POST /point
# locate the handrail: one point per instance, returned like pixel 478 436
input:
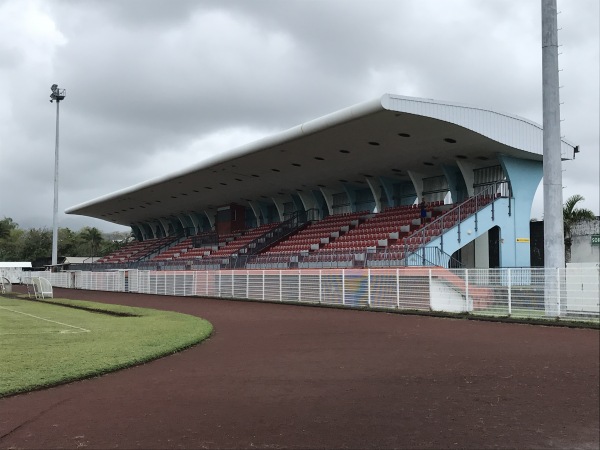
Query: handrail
pixel 157 251
pixel 285 228
pixel 457 214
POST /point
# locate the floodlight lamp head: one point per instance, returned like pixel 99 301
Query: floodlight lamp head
pixel 57 94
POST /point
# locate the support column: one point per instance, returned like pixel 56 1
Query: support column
pixel 554 250
pixel 524 176
pixel 328 196
pixel 376 191
pixel 417 181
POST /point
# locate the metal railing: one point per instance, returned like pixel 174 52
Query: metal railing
pixel 556 294
pixel 295 222
pixel 454 216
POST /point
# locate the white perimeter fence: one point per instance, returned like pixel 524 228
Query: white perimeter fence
pixel 569 294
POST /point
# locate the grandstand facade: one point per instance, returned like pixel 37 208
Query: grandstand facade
pixel 391 182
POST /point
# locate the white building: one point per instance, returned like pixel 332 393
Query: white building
pixel 585 247
pixel 13 270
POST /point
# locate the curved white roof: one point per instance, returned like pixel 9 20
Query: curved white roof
pixel 384 137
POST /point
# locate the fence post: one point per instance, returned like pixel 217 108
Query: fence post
pixel 194 283
pixel 299 286
pixel 219 285
pixel 280 286
pixel 320 286
pixel 509 291
pixel 430 290
pixel 247 284
pixel 206 281
pixel 467 290
pixel 233 284
pixel 398 288
pixel 263 285
pixel 558 293
pixel 343 286
pixel 369 286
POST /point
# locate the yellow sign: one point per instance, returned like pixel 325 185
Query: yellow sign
pixel 522 239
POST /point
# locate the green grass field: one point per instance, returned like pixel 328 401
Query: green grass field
pixel 47 343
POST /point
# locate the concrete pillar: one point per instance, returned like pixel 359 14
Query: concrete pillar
pixel 554 250
pixel 417 181
pixel 524 176
pixel 328 196
pixel 256 211
pixel 195 222
pixel 278 202
pixel 388 188
pixel 351 194
pixel 467 169
pixel 456 183
pixel 137 232
pixel 376 191
pixel 308 200
pixel 210 216
pixel 164 224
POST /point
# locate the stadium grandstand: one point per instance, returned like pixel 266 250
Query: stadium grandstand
pixel 390 182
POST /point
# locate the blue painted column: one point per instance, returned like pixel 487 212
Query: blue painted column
pixel 524 176
pixel 137 232
pixel 456 183
pixel 388 188
pixel 351 193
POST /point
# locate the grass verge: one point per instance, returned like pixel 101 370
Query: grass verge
pixel 45 343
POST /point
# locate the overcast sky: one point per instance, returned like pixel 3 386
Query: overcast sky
pixel 156 85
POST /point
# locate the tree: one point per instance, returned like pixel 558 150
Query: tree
pixel 67 242
pixel 6 226
pixel 571 216
pixel 37 243
pixel 11 246
pixel 93 237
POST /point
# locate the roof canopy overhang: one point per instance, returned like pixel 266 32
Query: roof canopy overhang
pixel 387 137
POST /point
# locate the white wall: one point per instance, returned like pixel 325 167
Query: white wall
pixel 582 250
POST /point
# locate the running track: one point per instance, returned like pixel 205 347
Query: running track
pixel 282 376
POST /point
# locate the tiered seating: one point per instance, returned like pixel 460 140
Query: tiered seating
pixel 174 251
pixel 406 244
pixel 313 234
pixel 185 249
pixel 401 220
pixel 270 261
pixel 227 244
pixel 135 251
pixel 331 259
pixel 234 242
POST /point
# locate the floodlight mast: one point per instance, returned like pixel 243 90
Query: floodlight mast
pixel 554 250
pixel 56 96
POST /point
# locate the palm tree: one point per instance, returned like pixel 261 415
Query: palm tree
pixel 571 216
pixel 93 236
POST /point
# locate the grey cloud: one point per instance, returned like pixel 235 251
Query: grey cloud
pixel 147 79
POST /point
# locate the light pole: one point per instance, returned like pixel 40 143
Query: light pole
pixel 57 95
pixel 554 240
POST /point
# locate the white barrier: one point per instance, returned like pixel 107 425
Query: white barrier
pixel 493 292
